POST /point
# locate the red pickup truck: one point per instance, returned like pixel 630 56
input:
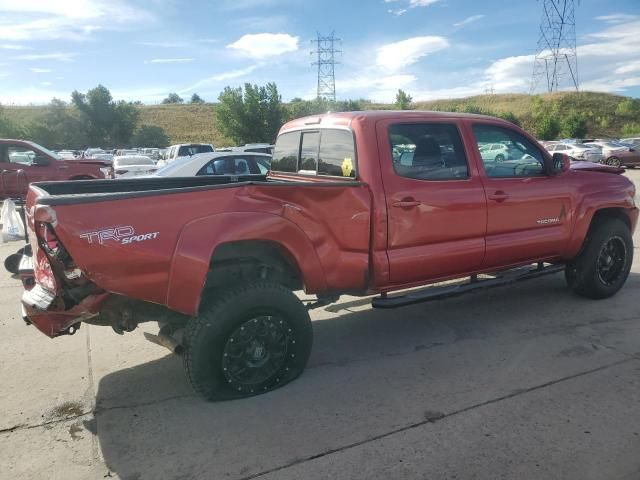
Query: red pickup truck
pixel 361 203
pixel 23 162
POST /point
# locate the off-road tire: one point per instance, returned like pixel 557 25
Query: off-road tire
pixel 583 275
pixel 207 336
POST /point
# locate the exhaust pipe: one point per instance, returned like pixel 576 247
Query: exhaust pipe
pixel 165 340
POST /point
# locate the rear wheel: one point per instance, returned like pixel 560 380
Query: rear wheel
pixel 603 266
pixel 613 162
pixel 499 158
pixel 247 340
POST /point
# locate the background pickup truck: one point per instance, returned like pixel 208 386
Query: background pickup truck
pixel 361 203
pixel 23 162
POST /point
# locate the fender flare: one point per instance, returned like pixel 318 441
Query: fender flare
pixel 199 239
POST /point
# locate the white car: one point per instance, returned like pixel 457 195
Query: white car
pixel 576 150
pixel 133 166
pixel 186 150
pixel 218 163
pixel 67 155
pixel 498 152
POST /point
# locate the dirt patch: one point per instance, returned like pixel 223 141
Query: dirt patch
pixel 67 409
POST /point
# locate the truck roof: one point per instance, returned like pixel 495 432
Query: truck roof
pixel 345 119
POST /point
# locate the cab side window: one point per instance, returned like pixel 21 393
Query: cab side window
pixel 518 156
pixel 428 151
pixel 20 155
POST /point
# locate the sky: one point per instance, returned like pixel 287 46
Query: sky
pixel 144 49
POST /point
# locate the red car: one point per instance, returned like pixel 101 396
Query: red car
pixel 360 203
pixel 23 162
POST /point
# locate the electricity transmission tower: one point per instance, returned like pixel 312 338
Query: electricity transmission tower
pixel 556 56
pixel 325 51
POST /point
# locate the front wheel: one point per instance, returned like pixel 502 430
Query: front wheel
pixel 247 340
pixel 499 158
pixel 614 162
pixel 603 266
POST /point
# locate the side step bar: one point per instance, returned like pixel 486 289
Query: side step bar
pixel 446 291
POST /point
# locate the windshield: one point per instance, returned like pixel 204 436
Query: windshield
pixel 46 151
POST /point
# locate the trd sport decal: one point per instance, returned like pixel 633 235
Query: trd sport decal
pixel 124 235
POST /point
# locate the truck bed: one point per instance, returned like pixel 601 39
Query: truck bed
pixel 82 191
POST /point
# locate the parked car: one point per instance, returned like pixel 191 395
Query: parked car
pixel 218 266
pixel 133 165
pixel 187 150
pixel 634 141
pixel 67 155
pixel 23 162
pixel 616 154
pixel 90 152
pixel 256 148
pixel 576 151
pixel 494 151
pixel 218 163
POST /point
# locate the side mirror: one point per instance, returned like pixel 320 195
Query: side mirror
pixel 41 161
pixel 561 163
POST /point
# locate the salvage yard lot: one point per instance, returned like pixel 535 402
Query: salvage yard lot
pixel 519 382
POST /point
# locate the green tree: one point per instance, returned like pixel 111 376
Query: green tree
pixel 252 115
pixel 105 121
pixel 151 136
pixel 628 108
pixel 9 129
pixel 59 127
pixel 545 119
pixel 630 129
pixel 173 98
pixel 196 99
pixel 573 125
pixel 403 100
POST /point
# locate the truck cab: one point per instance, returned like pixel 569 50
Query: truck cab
pixel 23 162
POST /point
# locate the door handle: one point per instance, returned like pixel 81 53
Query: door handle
pixel 499 196
pixel 406 203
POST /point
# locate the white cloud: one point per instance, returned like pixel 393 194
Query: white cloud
pixel 165 44
pixel 12 46
pixel 263 45
pixel 616 18
pixel 40 70
pixel 407 5
pixel 468 20
pixel 57 56
pixel 46 84
pixel 26 20
pixel 394 56
pixel 610 62
pixel 421 3
pixel 170 60
pixel 220 77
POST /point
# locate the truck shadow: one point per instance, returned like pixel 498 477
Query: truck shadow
pixel 371 372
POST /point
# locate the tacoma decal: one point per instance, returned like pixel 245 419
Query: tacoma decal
pixel 124 235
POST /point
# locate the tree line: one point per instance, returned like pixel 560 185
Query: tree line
pixel 254 114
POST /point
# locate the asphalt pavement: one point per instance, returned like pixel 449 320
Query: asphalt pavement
pixel 521 382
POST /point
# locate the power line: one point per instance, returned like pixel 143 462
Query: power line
pixel 325 51
pixel 556 58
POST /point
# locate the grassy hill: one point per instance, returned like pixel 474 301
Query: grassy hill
pixel 197 123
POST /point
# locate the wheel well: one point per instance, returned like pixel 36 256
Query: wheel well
pixel 618 213
pixel 243 261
